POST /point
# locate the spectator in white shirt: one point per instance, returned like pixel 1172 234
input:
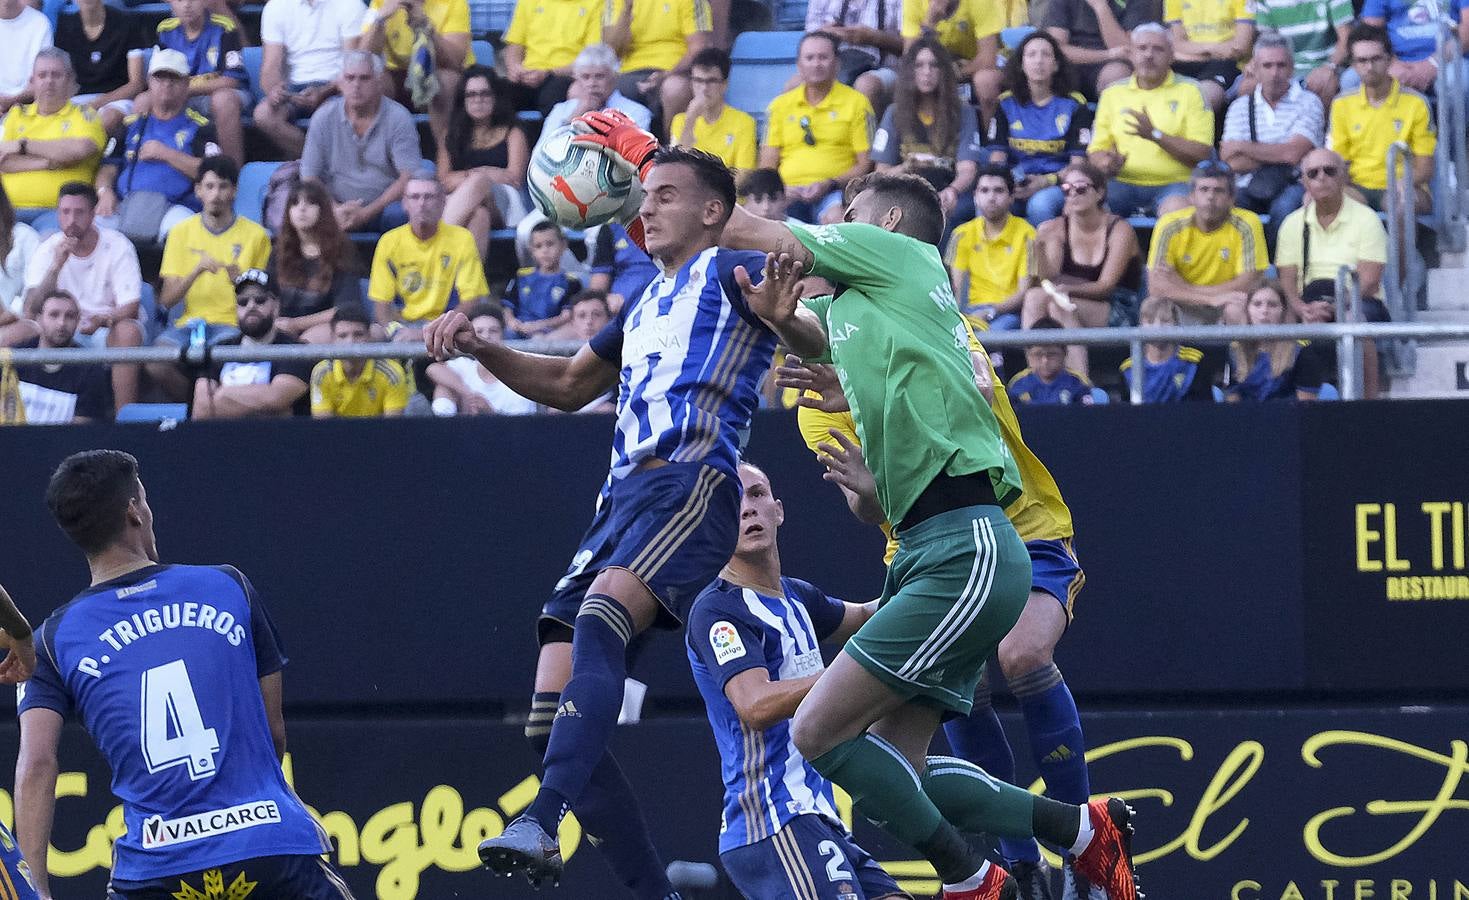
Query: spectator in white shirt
pixel 18 243
pixel 302 43
pixel 470 387
pixel 24 32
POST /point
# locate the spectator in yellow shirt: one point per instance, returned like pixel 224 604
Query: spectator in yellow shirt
pixel 356 388
pixel 424 268
pixel 1210 37
pixel 48 143
pixel 541 44
pixel 709 123
pixel 1367 121
pixel 989 256
pixel 657 41
pixel 391 27
pixel 1208 257
pixel 818 134
pixel 1150 130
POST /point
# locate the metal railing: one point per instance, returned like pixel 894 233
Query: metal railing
pixel 1451 155
pixel 1404 275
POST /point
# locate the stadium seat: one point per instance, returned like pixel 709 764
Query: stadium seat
pixel 253 57
pixel 1100 397
pixel 250 198
pixel 761 64
pixel 1011 37
pixel 1328 392
pixel 790 14
pixel 486 16
pixel 484 53
pixel 153 412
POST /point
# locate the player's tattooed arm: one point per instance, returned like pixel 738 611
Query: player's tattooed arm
pixel 747 231
pixel 35 790
pixel 15 636
pixel 760 702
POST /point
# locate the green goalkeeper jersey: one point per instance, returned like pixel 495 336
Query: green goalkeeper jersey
pixel 900 347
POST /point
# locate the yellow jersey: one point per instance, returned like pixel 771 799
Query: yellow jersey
pixel 553 32
pixel 447 17
pixel 1362 133
pixel 660 30
pixel 1176 107
pixel 839 127
pixel 427 277
pixel 1208 21
pixel 1206 258
pixel 243 245
pixel 1039 514
pixel 994 265
pixel 380 388
pixel 971 21
pixel 39 189
pixel 731 137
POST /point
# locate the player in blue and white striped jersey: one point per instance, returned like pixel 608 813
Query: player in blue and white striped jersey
pixel 688 357
pixel 754 644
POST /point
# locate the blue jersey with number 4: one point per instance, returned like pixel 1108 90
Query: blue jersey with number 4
pixel 162 667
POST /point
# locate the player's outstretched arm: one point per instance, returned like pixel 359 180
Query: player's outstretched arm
pixel 564 383
pixel 15 636
pixel 760 702
pixel 777 301
pixel 747 231
pixel 846 468
pixel 35 790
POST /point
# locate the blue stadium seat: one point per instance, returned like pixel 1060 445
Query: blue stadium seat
pixel 252 57
pixel 486 16
pixel 484 53
pixel 762 63
pixel 153 412
pixel 1100 396
pixel 250 198
pixel 1011 37
pixel 1328 392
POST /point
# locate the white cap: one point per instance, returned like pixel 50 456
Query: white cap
pixel 168 60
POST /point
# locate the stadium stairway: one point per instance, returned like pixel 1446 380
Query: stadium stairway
pixel 1442 368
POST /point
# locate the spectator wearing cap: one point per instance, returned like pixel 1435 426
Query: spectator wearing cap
pixel 1094 37
pixel 251 389
pixel 363 147
pixel 1367 121
pixel 160 153
pixel 106 44
pixel 542 42
pixel 1150 130
pixel 872 41
pixel 423 268
pixel 58 395
pixel 202 258
pixel 1208 257
pixel 657 41
pixel 24 32
pixel 1317 33
pixel 818 134
pixel 219 86
pixel 1209 40
pixel 356 388
pixel 1269 131
pixel 99 267
pixel 302 45
pixel 710 124
pixel 50 142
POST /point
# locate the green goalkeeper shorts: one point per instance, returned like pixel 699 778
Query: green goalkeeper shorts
pixel 957 585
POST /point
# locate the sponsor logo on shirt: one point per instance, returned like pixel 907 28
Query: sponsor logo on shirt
pixel 725 642
pixel 159 832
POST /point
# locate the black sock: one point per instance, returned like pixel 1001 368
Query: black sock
pixel 951 855
pixel 1056 822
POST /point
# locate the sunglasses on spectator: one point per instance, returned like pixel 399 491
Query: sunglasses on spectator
pixel 1215 168
pixel 1076 188
pixel 259 299
pixel 809 138
pixel 1323 172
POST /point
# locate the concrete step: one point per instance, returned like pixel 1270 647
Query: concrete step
pixel 1443 316
pixel 1448 289
pixel 1442 371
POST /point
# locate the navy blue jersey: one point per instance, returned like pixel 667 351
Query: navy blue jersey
pixel 534 295
pixel 188 132
pixel 767 782
pixel 692 356
pixel 1262 382
pixel 1067 387
pixel 216 51
pixel 617 256
pixel 1040 140
pixel 162 667
pixel 1175 378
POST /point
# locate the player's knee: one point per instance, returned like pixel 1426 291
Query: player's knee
pixel 1022 653
pixel 810 739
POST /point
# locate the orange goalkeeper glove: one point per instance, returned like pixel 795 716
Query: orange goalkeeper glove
pixel 615 132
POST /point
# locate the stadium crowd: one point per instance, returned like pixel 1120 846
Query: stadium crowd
pixel 1251 137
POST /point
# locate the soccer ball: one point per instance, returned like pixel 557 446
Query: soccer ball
pixel 576 186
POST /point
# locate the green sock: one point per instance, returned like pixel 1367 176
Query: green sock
pixel 883 786
pixel 975 802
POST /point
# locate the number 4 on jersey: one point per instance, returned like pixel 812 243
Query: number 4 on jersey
pixel 173 731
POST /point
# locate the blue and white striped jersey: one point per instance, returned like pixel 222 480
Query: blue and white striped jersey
pixel 732 629
pixel 692 356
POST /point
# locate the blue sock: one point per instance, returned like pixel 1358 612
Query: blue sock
pixel 980 739
pixel 609 813
pixel 1056 741
pixel 589 706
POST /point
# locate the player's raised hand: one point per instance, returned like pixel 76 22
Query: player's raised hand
pixel 20 662
pixel 448 336
pixel 778 295
pixel 846 468
pixel 797 374
pixel 616 133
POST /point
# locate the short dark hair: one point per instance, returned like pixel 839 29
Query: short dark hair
pixel 709 169
pixel 487 308
pixel 923 217
pixel 762 183
pixel 995 170
pixel 547 225
pixel 591 295
pixel 354 314
pixel 1045 322
pixel 1364 31
pixel 222 166
pixel 89 494
pixel 59 294
pixel 712 58
pixel 836 44
pixel 78 189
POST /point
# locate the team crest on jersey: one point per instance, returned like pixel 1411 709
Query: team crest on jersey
pixel 180 137
pixel 412 281
pixel 212 54
pixel 237 249
pixel 214 888
pixel 1173 106
pixel 725 641
pixel 444 261
pixel 1224 253
pixel 1397 124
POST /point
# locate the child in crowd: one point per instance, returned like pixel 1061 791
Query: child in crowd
pixel 763 193
pixel 1047 380
pixel 1171 372
pixel 536 300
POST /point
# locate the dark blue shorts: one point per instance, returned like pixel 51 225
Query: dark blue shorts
pixel 1055 571
pixel 808 859
pixel 15 873
pixel 674 527
pixel 298 877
